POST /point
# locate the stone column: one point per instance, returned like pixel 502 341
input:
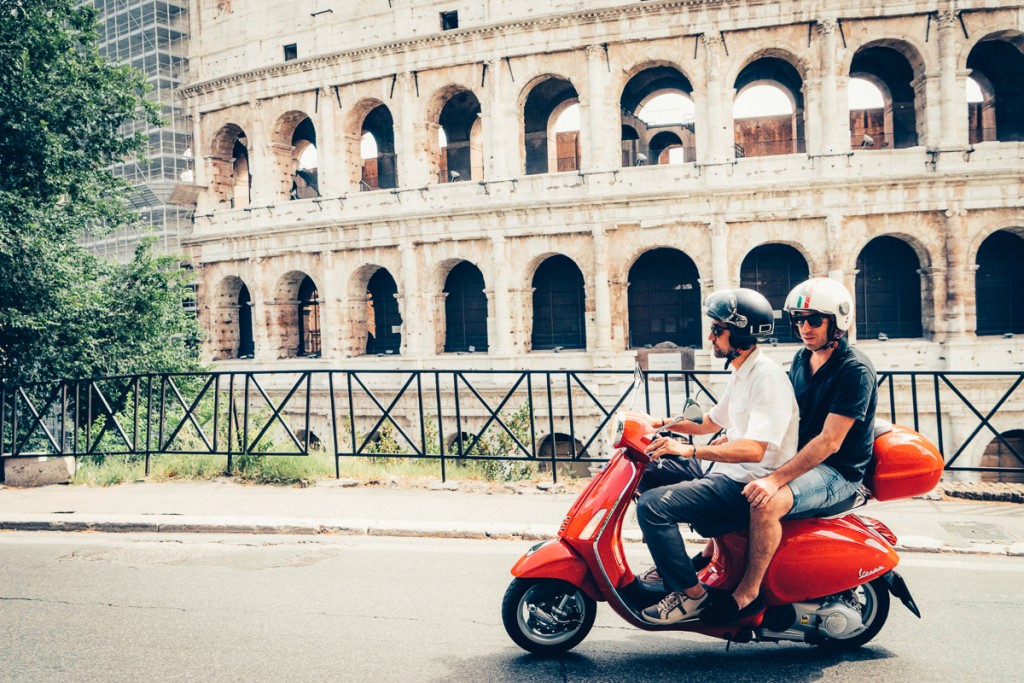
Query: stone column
pixel 417 320
pixel 719 253
pixel 602 301
pixel 330 151
pixel 834 245
pixel 718 123
pixel 501 341
pixel 501 124
pixel 332 319
pixel 600 124
pixel 411 142
pixel 833 120
pixel 953 131
pixel 956 273
pixel 262 159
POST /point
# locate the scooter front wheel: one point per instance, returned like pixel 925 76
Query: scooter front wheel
pixel 547 616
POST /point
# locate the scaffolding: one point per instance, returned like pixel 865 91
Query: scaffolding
pixel 151 36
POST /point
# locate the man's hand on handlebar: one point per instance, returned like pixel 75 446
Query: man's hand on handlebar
pixel 666 447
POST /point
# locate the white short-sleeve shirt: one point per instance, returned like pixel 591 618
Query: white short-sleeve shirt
pixel 758 404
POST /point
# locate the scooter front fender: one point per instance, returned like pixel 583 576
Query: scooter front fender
pixel 554 559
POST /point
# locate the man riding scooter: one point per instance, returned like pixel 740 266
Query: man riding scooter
pixel 761 418
pixel 836 389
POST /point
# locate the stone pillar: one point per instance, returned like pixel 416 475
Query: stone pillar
pixel 833 120
pixel 718 123
pixel 501 124
pixel 417 320
pixel 501 341
pixel 602 301
pixel 956 273
pixel 332 319
pixel 598 115
pixel 953 131
pixel 411 141
pixel 262 159
pixel 329 147
pixel 719 253
pixel 834 245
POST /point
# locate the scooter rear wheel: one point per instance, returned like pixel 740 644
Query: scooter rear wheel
pixel 547 616
pixel 873 599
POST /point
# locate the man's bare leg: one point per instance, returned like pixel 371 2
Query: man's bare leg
pixel 765 536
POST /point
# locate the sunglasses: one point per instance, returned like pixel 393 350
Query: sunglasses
pixel 717 331
pixel 814 320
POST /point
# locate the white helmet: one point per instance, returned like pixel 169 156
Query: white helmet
pixel 823 295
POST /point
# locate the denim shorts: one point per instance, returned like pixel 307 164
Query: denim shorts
pixel 818 489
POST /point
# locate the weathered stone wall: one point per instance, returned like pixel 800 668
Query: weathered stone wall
pixel 942 196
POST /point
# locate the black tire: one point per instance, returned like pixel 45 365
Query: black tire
pixel 529 620
pixel 874 601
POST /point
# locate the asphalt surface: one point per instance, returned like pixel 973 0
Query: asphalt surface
pixel 222 506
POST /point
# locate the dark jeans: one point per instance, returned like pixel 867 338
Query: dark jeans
pixel 713 505
pixel 669 471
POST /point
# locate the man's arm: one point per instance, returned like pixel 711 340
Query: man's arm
pixel 817 450
pixel 741 450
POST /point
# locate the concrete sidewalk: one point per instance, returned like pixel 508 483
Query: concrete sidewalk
pixel 222 506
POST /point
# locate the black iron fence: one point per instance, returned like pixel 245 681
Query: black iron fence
pixel 552 418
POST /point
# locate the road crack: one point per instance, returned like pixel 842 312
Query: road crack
pixel 12 598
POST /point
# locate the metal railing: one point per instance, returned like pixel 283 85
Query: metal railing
pixel 450 415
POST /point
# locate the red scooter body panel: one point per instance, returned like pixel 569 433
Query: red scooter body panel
pixel 817 557
pixel 556 560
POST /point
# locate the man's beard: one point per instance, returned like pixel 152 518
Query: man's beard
pixel 719 353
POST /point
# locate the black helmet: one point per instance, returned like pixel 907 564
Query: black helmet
pixel 748 314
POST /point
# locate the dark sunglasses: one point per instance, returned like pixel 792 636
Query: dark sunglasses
pixel 718 330
pixel 814 320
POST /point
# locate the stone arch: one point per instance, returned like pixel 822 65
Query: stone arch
pixel 771 135
pixel 999 283
pixel 774 269
pixel 371 117
pixel 647 82
pixel 375 317
pixel 563 447
pixel 559 305
pixel 999 59
pixel 231 172
pixel 889 291
pixel 456 110
pixel 539 101
pixel 897 67
pixel 232 333
pixel 1005 451
pixel 465 309
pixel 296 316
pixel 664 299
pixel 981 116
pixel 292 134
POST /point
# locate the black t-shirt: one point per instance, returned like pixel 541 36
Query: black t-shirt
pixel 845 385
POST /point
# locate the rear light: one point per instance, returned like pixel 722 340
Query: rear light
pixel 591 527
pixel 879 528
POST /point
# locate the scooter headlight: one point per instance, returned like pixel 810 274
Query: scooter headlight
pixel 619 428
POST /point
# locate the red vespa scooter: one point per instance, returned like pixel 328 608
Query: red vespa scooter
pixel 828 584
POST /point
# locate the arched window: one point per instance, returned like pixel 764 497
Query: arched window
pixel 558 305
pixel 664 300
pixel 657 118
pixel 774 270
pixel 768 113
pixel 232 179
pixel 246 344
pixel 380 163
pixel 868 116
pixel 546 100
pixel 998 64
pixel 465 310
pixel 563 447
pixel 1007 452
pixel 981 109
pixel 305 184
pixel 383 321
pixel 461 153
pixel 894 124
pixel 309 319
pixel 888 290
pixel 999 284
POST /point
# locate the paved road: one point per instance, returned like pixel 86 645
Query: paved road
pixel 95 607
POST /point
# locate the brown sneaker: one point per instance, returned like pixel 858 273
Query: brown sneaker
pixel 650 576
pixel 674 608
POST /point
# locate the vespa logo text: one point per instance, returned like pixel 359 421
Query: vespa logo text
pixel 863 574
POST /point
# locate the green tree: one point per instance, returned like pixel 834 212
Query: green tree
pixel 63 311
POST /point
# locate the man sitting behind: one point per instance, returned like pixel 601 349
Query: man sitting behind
pixel 760 413
pixel 836 389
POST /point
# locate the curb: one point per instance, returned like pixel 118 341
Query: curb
pixel 173 524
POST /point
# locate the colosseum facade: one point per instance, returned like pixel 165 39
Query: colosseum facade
pixel 424 184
